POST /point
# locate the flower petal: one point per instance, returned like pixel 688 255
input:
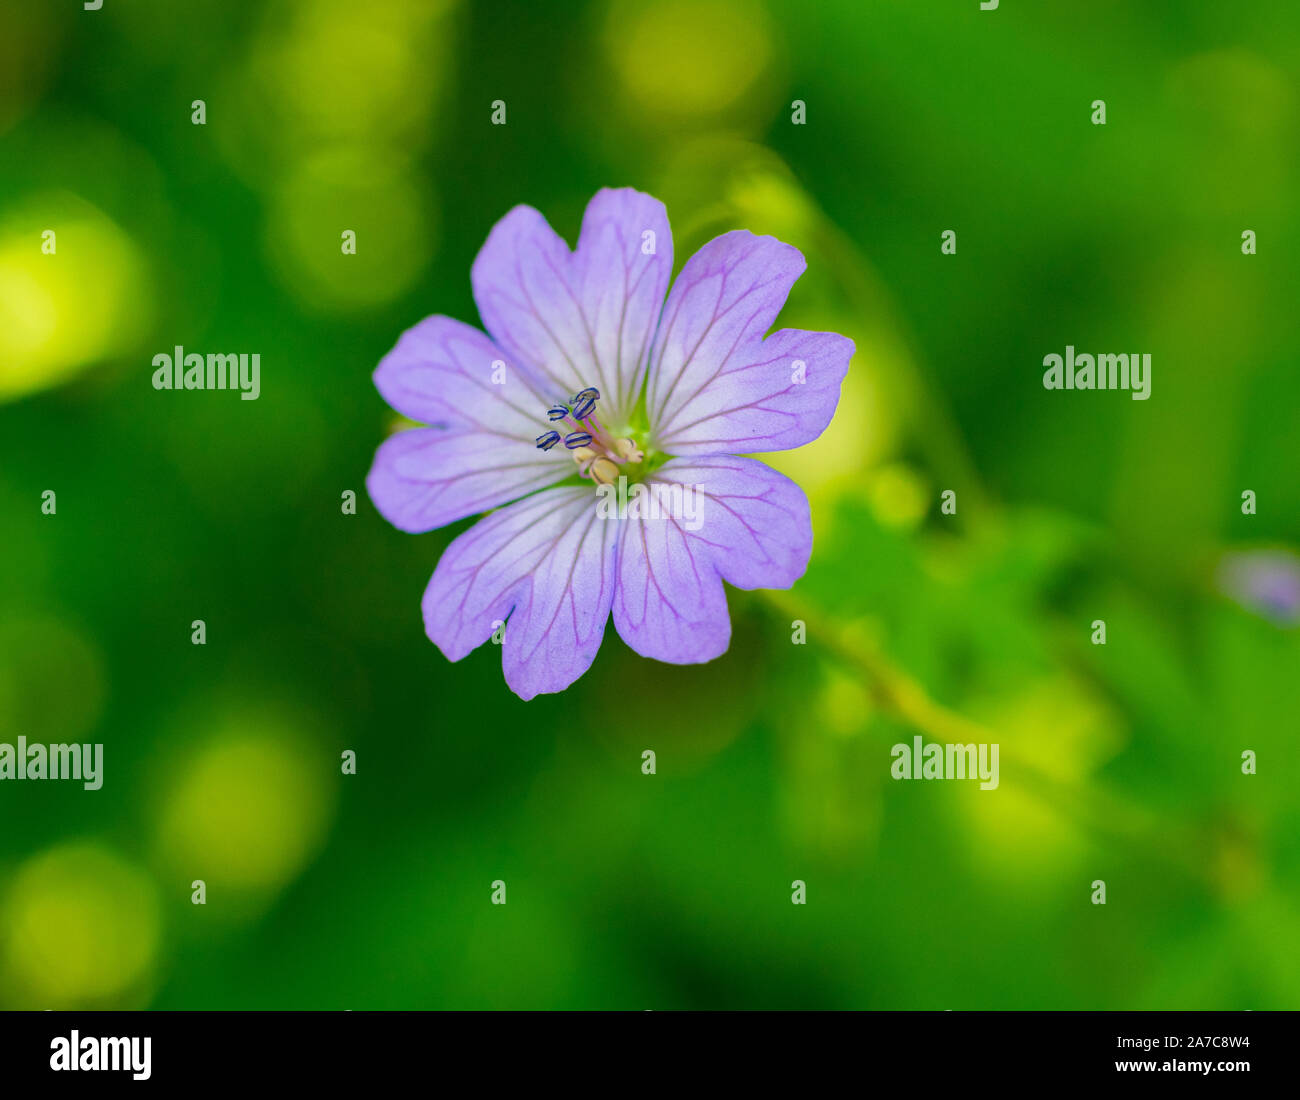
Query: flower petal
pixel 545 567
pixel 716 386
pixel 427 477
pixel 754 531
pixel 442 373
pixel 481 451
pixel 582 318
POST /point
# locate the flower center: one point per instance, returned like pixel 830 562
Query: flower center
pixel 599 454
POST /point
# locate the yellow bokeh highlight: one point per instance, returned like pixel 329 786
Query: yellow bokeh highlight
pixel 720 181
pixel 1018 836
pixel 688 57
pixel 844 703
pixel 247 810
pixel 899 495
pixel 762 195
pixel 82 929
pixel 370 193
pixel 65 311
pixel 1059 725
pixel 1053 736
pixel 322 74
pixel 338 69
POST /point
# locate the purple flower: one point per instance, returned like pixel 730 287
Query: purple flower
pixel 614 421
pixel 1264 581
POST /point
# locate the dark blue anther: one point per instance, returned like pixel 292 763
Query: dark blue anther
pixel 590 391
pixel 557 412
pixel 547 441
pixel 574 440
pixel 583 408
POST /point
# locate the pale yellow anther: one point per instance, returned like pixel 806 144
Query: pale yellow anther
pixel 604 472
pixel 628 450
pixel 583 454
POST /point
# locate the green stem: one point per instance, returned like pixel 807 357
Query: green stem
pixel 903 698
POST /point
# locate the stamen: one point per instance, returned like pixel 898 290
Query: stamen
pixel 597 456
pixel 627 451
pixel 604 472
pixel 584 457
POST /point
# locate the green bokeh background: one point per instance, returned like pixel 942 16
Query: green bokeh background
pixel 1119 762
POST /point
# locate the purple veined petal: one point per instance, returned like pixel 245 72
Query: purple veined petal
pixel 716 386
pixel 428 477
pixel 448 374
pixel 581 318
pixel 781 396
pixel 545 567
pixel 753 530
pixel 480 451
